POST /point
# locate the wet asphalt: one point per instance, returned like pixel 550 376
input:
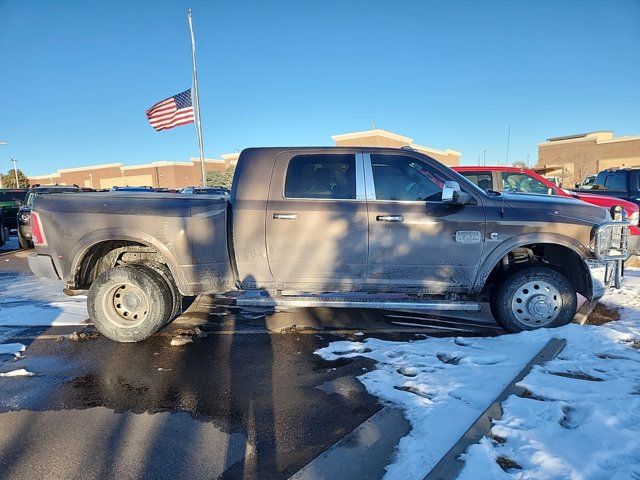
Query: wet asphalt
pixel 249 400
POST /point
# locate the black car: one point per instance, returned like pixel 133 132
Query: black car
pixel 4 232
pixel 10 201
pixel 23 218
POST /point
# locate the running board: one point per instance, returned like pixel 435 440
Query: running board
pixel 294 301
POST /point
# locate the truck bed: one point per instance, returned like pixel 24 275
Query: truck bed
pixel 190 231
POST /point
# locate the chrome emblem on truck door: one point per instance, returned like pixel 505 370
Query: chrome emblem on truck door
pixel 468 236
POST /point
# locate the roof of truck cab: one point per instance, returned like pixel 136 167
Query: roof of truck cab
pixel 493 168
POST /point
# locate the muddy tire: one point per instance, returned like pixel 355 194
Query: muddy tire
pixel 176 296
pixel 532 298
pixel 129 303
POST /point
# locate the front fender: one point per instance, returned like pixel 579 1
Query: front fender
pixel 526 239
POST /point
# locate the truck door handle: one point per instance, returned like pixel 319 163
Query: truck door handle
pixel 285 216
pixel 390 218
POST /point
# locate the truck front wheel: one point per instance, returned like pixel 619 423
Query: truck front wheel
pixel 533 297
pixel 129 303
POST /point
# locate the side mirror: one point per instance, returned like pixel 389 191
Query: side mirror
pixel 577 185
pixel 452 194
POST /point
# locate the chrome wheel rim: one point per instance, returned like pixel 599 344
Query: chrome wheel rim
pixel 536 303
pixel 126 304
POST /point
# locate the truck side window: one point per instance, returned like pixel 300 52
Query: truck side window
pixel 482 180
pixel 398 177
pixel 522 183
pixel 616 181
pixel 321 176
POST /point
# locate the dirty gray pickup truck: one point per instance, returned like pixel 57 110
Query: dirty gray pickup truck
pixel 330 226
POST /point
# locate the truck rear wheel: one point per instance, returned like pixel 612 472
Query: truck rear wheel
pixel 176 296
pixel 533 297
pixel 129 303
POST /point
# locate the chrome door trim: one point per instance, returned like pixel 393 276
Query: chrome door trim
pixel 370 187
pixel 360 181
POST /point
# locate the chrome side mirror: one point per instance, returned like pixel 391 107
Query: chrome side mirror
pixel 451 193
pixel 449 190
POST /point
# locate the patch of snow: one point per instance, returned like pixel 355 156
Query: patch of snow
pixel 26 300
pixel 582 419
pixel 12 349
pixel 17 373
pixel 10 244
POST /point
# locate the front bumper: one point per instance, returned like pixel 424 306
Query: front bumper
pixel 42 266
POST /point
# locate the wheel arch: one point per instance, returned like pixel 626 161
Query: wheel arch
pixel 99 243
pixel 562 252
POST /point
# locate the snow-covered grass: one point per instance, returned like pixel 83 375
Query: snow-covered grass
pixel 581 420
pixel 26 300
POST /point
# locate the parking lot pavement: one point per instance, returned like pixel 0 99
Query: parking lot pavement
pixel 251 399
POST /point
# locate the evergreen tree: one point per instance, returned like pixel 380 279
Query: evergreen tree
pixel 220 178
pixel 9 179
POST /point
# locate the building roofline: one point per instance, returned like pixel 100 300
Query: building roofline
pixel 446 152
pixel 92 167
pixel 378 132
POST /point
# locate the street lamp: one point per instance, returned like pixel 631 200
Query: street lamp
pixel 15 170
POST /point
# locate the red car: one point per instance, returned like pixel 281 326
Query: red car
pixel 521 180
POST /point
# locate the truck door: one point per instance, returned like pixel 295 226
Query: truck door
pixel 317 220
pixel 415 240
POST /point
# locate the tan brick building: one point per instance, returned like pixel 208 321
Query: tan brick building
pixel 384 138
pixel 183 174
pixel 573 157
pixel 155 174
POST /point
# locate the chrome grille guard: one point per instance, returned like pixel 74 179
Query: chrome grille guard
pixel 611 241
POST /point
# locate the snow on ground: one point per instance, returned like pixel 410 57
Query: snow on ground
pixel 26 300
pixel 21 372
pixel 10 244
pixel 12 349
pixel 581 420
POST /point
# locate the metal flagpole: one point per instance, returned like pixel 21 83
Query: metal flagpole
pixel 196 102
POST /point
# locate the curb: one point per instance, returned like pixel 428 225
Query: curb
pixel 451 464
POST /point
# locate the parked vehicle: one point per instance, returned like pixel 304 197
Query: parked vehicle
pixel 328 222
pixel 587 183
pixel 131 189
pixel 618 182
pixel 205 190
pixel 10 200
pixel 522 180
pixel 4 231
pixel 23 217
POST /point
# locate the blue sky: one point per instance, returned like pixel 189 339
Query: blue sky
pixel 76 77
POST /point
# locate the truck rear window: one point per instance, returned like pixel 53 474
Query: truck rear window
pixel 321 176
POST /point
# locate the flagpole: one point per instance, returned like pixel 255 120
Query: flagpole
pixel 196 101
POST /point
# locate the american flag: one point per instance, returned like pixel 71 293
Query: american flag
pixel 171 112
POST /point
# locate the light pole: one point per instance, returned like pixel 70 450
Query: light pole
pixel 484 160
pixel 15 170
pixel 2 176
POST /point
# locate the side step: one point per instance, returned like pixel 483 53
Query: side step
pixel 379 302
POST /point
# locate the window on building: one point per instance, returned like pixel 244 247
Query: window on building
pixel 399 177
pixel 321 176
pixel 522 183
pixel 482 180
